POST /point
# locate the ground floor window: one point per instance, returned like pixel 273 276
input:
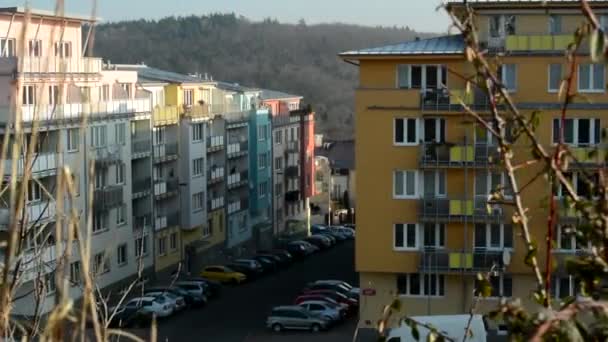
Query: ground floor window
pixel 415 284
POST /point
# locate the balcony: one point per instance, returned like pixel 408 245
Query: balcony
pixel 165 115
pixel 236 150
pixel 197 111
pixel 166 220
pixel 469 262
pixel 215 176
pixel 215 143
pixel 106 155
pixel 561 257
pixel 567 213
pixel 292 196
pixel 140 148
pixel 536 42
pixel 166 188
pixel 75 111
pixel 235 207
pixel 36 261
pixel 142 222
pixel 292 146
pixel 449 155
pixel 108 197
pixel 443 100
pixel 215 203
pixel 292 172
pixel 42 165
pixel 458 210
pixel 142 187
pixel 389 98
pixel 40 212
pixel 165 152
pixel 52 65
pixel 589 157
pixel 236 180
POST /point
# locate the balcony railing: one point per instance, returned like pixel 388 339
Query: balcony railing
pixel 589 157
pixel 215 175
pixel 538 42
pixel 140 146
pixel 166 187
pixel 41 163
pixel 40 212
pixel 563 256
pixel 236 206
pixel 236 180
pixel 458 210
pixel 443 100
pixel 215 203
pixel 292 172
pixel 52 64
pixel 215 143
pixel 165 152
pixel 142 222
pixel 108 197
pixel 474 261
pixel 107 155
pixel 142 186
pixel 236 150
pixel 446 155
pixel 165 115
pixel 197 111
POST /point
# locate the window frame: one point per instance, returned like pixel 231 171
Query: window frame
pixel 72 144
pixel 198 201
pixel 162 245
pixel 28 97
pixel 406 229
pixel 121 215
pixel 416 185
pixel 439 285
pixel 553 19
pixel 197 132
pixel 141 251
pixel 11 49
pixel 198 167
pixel 188 97
pixel 440 231
pixel 437 175
pixel 120 133
pixel 488 233
pixel 591 89
pixel 503 77
pixel 173 241
pixel 560 78
pixel 120 174
pixel 593 140
pixel 406 139
pixel 125 259
pixel 75 273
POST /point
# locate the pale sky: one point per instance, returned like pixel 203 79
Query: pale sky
pixel 417 14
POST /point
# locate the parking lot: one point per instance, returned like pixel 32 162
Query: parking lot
pixel 240 312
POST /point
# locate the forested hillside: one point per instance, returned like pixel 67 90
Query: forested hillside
pixel 299 59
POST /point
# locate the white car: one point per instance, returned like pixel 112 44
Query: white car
pixel 177 302
pixel 157 306
pixel 327 310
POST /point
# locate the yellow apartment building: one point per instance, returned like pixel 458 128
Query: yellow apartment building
pixel 425 169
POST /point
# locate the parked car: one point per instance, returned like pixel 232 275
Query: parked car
pixel 194 288
pixel 177 302
pixel 129 316
pixel 318 228
pixel 295 317
pixel 156 306
pixel 251 268
pixel 189 298
pixel 333 287
pixel 282 253
pixel 322 298
pixel 281 262
pixel 268 264
pixel 329 311
pixel 350 225
pixel 319 240
pixel 337 296
pixel 310 246
pixel 344 284
pixel 298 249
pixel 338 235
pixel 349 233
pixel 212 287
pixel 327 235
pixel 223 274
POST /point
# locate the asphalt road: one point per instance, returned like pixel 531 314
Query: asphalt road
pixel 239 314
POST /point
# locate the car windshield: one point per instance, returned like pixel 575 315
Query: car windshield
pixel 228 269
pixel 331 305
pixel 160 300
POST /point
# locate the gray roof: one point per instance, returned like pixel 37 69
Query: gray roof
pixel 452 44
pixel 153 75
pixel 341 154
pixel 268 94
pixel 234 87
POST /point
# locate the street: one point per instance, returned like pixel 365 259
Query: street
pixel 240 312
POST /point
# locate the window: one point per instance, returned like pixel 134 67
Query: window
pixel 198 201
pixel 502 286
pixel 100 221
pixel 128 88
pixel 188 97
pixel 29 95
pixel 197 132
pixel 105 92
pixel 73 139
pixel 98 136
pixel 406 236
pixel 262 132
pixel 565 239
pixel 197 166
pixel 278 189
pixel 405 184
pixel 591 77
pixel 563 287
pixel 159 135
pixel 262 189
pixel 75 273
pixel 7 47
pixel 262 161
pixel 278 163
pixel 434 130
pixel 101 264
pixel 414 284
pixel 120 132
pixel 141 246
pixel 502 25
pixel 581 183
pixel 493 236
pixel 121 215
pixel 508 76
pixel 121 254
pixel 158 173
pixel 578 132
pixel 406 131
pixel 53 94
pixel 63 49
pixel 278 137
pixel 434 235
pixel 487 183
pixel 120 173
pixel 555 24
pixel 434 183
pixel 173 241
pixel 34 191
pixel 100 179
pixel 162 245
pixel 49 283
pixel 421 76
pixel 555 77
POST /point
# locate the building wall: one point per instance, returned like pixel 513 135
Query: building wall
pixel 260 147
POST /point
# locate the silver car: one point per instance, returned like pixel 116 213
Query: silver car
pixel 329 311
pixel 295 317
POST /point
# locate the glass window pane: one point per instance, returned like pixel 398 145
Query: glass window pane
pixel 429 184
pixel 411 131
pixel 399 130
pixel 597 135
pixel 583 76
pixel 508 236
pixel 402 284
pixel 598 76
pixel 410 183
pixel 416 77
pixel 510 77
pixel 569 131
pixel 480 235
pixel 431 77
pixel 507 286
pixel 495 235
pixel 430 130
pixel 429 235
pixel 399 191
pixel 403 74
pixel 414 284
pixel 564 287
pixel 411 235
pixel 441 183
pixel 555 76
pixel 584 131
pixel 433 285
pixel 481 185
pixel 398 235
pixel 556 130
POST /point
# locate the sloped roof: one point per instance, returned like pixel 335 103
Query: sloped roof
pixel 268 94
pixel 341 154
pixel 445 45
pixel 234 87
pixel 49 14
pixel 154 75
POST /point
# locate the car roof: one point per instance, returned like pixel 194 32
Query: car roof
pixel 189 282
pixel 244 260
pixel 142 298
pixel 314 302
pixel 288 307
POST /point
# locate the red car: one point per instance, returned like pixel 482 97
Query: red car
pixel 338 297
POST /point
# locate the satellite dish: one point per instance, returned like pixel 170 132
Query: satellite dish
pixel 506 257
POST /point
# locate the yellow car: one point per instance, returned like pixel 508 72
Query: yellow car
pixel 223 274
